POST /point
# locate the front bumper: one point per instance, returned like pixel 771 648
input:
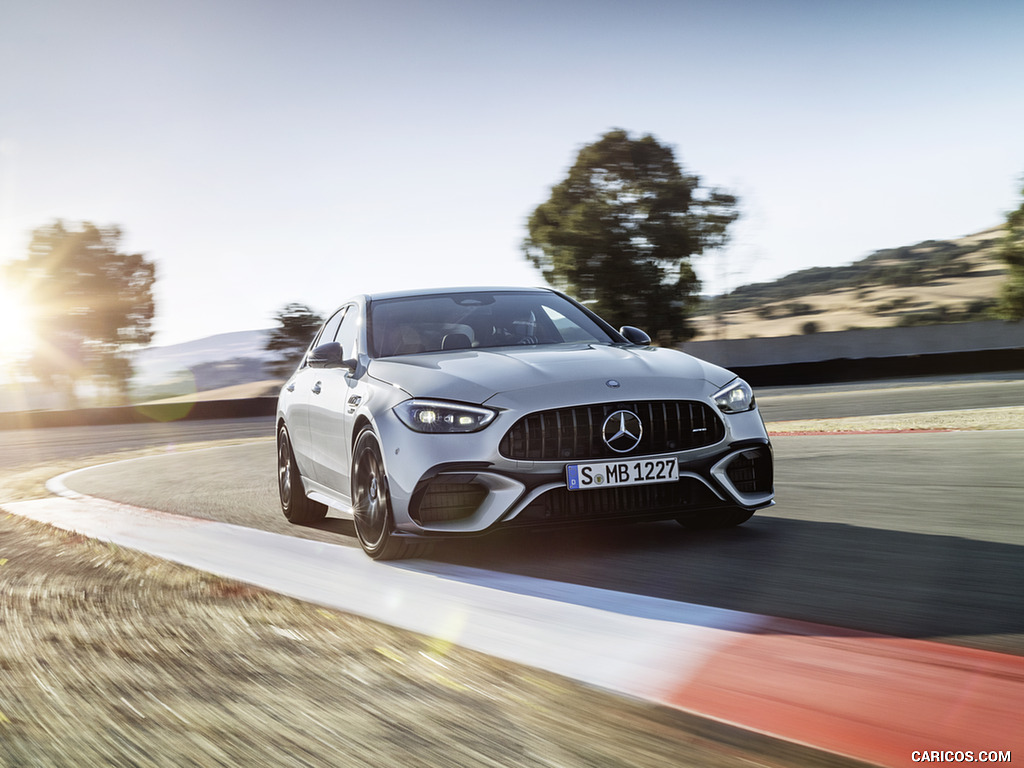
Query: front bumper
pixel 455 495
pixel 456 499
pixel 463 484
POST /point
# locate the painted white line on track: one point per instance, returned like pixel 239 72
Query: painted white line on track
pixel 837 690
pixel 599 637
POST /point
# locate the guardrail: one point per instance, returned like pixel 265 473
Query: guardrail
pixel 139 414
pixel 868 368
pixel 815 359
pixel 869 353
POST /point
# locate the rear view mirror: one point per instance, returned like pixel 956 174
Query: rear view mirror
pixel 329 355
pixel 635 335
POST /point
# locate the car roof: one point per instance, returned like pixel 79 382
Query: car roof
pixel 411 293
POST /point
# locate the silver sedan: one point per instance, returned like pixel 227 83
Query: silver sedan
pixel 455 412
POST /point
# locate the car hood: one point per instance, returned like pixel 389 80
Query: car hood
pixel 543 376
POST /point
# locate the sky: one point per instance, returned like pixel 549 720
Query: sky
pixel 269 152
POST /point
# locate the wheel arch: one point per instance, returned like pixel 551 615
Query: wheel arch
pixel 362 422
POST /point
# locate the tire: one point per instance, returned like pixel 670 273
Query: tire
pixel 294 503
pixel 371 504
pixel 716 519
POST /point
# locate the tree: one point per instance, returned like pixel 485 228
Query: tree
pixel 92 304
pixel 296 326
pixel 620 231
pixel 1011 250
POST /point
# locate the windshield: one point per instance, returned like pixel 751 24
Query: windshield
pixel 408 326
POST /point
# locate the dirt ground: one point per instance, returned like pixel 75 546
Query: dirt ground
pixel 113 658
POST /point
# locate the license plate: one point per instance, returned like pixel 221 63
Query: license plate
pixel 614 474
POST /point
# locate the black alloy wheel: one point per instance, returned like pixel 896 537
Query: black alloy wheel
pixel 296 506
pixel 371 504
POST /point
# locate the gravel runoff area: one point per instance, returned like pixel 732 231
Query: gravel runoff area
pixel 111 657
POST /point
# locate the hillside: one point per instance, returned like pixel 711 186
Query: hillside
pixel 213 362
pixel 930 282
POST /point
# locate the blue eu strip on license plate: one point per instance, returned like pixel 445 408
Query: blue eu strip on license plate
pixel 605 474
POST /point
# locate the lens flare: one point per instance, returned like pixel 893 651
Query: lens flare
pixel 17 337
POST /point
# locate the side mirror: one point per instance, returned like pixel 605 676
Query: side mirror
pixel 635 335
pixel 329 356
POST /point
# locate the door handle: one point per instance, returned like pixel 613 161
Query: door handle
pixel 316 388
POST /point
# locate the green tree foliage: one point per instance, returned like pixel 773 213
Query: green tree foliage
pixel 1011 250
pixel 92 304
pixel 297 324
pixel 620 230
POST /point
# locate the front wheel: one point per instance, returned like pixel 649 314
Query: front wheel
pixel 371 504
pixel 716 519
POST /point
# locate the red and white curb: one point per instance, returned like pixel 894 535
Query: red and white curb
pixel 874 698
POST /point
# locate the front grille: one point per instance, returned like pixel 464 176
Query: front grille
pixel 751 471
pixel 575 433
pixel 450 497
pixel 639 501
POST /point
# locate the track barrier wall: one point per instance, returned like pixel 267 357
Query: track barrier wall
pixel 859 355
pixel 870 353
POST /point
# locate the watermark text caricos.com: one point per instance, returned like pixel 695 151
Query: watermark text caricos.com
pixel 959 756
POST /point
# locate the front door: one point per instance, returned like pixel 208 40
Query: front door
pixel 338 393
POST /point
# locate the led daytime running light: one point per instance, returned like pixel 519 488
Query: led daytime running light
pixel 435 416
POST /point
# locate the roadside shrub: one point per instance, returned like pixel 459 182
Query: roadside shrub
pixel 797 308
pixel 927 317
pixel 888 306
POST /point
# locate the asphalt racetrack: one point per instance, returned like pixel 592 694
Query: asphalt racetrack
pixel 916 535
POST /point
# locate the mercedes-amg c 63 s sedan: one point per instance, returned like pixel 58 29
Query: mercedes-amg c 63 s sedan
pixel 443 413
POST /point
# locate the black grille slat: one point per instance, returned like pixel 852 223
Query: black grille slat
pixel 651 424
pixel 575 433
pixel 751 471
pixel 665 417
pixel 453 498
pixel 590 428
pixel 561 505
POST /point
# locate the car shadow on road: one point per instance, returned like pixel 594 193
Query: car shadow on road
pixel 869 579
pixel 339 525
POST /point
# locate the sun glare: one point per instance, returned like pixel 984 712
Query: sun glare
pixel 16 335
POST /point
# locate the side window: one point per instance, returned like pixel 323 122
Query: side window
pixel 330 329
pixel 348 332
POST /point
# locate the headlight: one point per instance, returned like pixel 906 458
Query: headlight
pixel 440 417
pixel 735 398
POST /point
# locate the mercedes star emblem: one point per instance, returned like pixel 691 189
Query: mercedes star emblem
pixel 622 431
